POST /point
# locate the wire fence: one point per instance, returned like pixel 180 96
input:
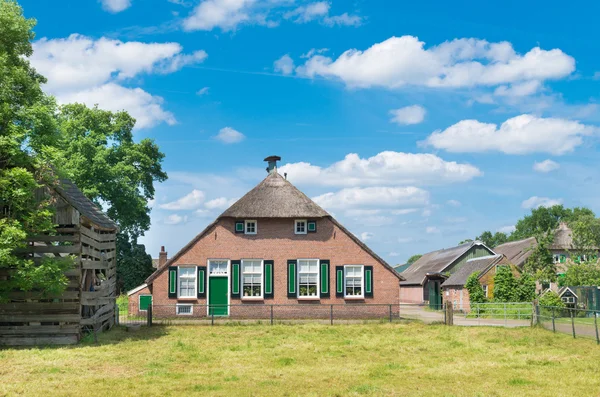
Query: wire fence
pixel 193 314
pixel 580 323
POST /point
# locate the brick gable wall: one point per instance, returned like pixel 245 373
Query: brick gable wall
pixel 276 241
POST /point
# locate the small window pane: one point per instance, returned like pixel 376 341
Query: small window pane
pixel 308 276
pixel 252 278
pixel 353 278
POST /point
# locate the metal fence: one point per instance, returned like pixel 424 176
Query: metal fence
pixel 580 323
pixel 193 314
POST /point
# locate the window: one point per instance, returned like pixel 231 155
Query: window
pixel 556 258
pixel 187 282
pixel 184 309
pixel 311 226
pixel 218 267
pixel 252 276
pixel 353 281
pixel 239 227
pixel 250 227
pixel 486 291
pixel 300 227
pixel 308 278
pixel 568 299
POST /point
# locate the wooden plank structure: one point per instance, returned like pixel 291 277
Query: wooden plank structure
pixel 88 303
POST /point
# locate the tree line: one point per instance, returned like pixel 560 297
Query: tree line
pixel 41 142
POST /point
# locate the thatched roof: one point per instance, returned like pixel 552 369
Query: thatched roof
pixel 563 238
pixel 75 197
pixel 274 197
pixel 435 262
pixel 459 278
pixel 517 252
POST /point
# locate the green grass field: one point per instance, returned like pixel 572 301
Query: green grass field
pixel 310 359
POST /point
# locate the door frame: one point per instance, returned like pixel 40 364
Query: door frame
pixel 208 284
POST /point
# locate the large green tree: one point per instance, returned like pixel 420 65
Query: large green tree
pixel 28 131
pixel 98 152
pixel 546 219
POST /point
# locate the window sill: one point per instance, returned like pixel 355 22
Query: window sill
pixel 187 299
pixel 252 298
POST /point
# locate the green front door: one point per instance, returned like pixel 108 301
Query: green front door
pixel 217 296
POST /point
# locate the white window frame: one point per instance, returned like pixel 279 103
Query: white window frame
pixel 262 280
pixel 568 299
pixel 486 290
pixel 195 295
pixel 308 297
pixel 362 282
pixel 296 222
pixel 178 305
pixel 556 258
pixel 246 222
pixel 140 302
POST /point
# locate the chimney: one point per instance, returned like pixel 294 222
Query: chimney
pixel 162 257
pixel 272 161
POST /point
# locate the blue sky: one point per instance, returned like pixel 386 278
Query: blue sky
pixel 416 125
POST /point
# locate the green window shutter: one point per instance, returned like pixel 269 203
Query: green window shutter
pixel 239 226
pixel 172 281
pixel 145 301
pixel 324 278
pixel 291 278
pixel 268 279
pixel 201 281
pixel 368 281
pixel 339 281
pixel 235 279
pixel 563 258
pixel 311 226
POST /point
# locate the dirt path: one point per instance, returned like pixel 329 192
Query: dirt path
pixel 430 316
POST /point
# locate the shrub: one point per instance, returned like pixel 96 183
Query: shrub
pixel 551 298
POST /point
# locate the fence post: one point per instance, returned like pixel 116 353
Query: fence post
pixel 449 314
pixel 212 317
pixel 596 325
pixel 271 314
pixel 553 322
pixel 149 313
pixel 390 312
pixel 116 314
pixel 572 322
pixel 505 314
pixel 478 318
pixel 331 314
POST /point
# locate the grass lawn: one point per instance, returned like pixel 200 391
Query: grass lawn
pixel 310 359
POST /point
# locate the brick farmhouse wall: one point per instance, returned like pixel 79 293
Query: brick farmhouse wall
pixel 411 294
pixel 275 240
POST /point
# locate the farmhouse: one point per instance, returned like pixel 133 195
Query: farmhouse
pixel 274 246
pixel 454 287
pixel 423 279
pixel 88 236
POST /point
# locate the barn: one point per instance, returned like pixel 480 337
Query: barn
pixel 84 233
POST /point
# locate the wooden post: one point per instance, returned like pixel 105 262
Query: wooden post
pixel 390 313
pixel 149 312
pixel 553 322
pixel 449 313
pixel 573 322
pixel 505 314
pixel 271 314
pixel 331 314
pixel 596 325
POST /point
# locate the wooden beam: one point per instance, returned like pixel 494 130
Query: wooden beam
pixel 98 301
pixel 50 239
pixel 39 307
pixel 39 340
pixel 51 249
pixel 38 295
pixel 39 329
pixel 50 318
pixel 98 245
pixel 88 264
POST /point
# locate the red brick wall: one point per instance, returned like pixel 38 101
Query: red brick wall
pixel 134 301
pixel 453 294
pixel 411 294
pixel 276 241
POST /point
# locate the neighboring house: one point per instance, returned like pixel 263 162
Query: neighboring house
pixel 581 297
pixel 454 287
pixel 84 233
pixel 423 279
pixel 517 252
pixel 273 246
pixel 401 268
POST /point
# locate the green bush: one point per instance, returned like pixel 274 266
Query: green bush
pixel 551 298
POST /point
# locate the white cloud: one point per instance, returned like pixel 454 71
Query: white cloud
pixel 467 62
pixel 203 91
pixel 453 203
pixel 364 236
pixel 284 65
pixel 519 89
pixel 374 197
pixel 385 168
pixel 314 51
pixel 175 219
pixel 519 135
pixel 432 230
pixel 536 202
pixel 115 6
pixel 404 211
pixel 546 166
pixel 229 135
pixel 596 76
pixel 190 201
pixel 92 71
pixel 426 212
pixel 224 14
pixel 408 115
pixel 507 229
pixel 220 203
pixel 147 109
pixel 405 240
pixel 393 254
pixel 343 20
pixel 308 13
